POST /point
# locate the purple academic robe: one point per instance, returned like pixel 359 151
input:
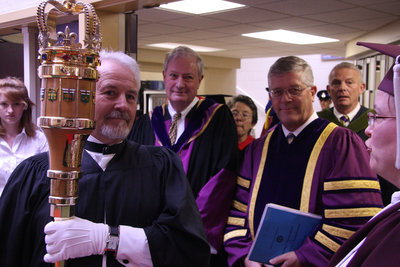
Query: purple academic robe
pixel 381 247
pixel 325 171
pixel 209 153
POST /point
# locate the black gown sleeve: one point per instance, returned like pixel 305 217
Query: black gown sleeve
pixel 177 237
pixel 24 209
pixel 142 131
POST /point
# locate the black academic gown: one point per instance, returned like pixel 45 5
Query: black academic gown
pixel 142 187
pixel 208 149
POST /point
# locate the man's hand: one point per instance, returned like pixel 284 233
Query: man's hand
pixel 74 238
pixel 288 259
pixel 249 263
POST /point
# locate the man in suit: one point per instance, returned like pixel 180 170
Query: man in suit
pixel 345 87
pixel 203 133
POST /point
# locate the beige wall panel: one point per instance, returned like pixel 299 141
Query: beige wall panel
pixel 112 27
pixel 218 81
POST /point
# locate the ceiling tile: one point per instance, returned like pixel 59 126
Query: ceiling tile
pixel 247 15
pixel 305 7
pixel 348 15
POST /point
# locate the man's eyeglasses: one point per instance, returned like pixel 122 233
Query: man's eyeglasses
pixel 292 91
pixel 372 118
pixel 245 115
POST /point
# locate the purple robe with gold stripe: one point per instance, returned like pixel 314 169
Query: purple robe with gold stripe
pixel 381 246
pixel 324 171
pixel 209 153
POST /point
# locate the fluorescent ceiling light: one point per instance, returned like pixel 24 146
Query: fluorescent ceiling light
pixel 290 37
pixel 194 47
pixel 201 6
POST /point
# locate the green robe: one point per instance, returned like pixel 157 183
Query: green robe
pixel 358 124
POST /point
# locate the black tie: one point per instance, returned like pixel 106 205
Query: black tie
pixel 103 148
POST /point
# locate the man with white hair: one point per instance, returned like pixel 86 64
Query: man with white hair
pixel 136 196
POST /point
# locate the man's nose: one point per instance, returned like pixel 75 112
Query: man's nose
pixel 121 102
pixel 286 96
pixel 180 82
pixel 342 85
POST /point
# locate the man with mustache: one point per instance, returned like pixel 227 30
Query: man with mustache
pixel 305 163
pixel 136 196
pixel 345 87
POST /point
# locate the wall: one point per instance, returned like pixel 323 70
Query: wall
pixel 219 72
pixel 252 80
pixel 11 55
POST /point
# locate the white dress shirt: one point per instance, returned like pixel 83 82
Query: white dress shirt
pixel 351 114
pixel 181 121
pixel 313 117
pixel 22 148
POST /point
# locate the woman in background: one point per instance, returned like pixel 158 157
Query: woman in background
pixel 244 112
pixel 19 137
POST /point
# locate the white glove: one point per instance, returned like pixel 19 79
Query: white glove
pixel 74 238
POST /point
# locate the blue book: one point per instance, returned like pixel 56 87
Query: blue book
pixel 281 230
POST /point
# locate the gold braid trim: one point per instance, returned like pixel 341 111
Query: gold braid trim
pixel 312 162
pixel 239 206
pixel 337 231
pixel 243 182
pixel 351 184
pixel 349 213
pixel 235 233
pixel 236 221
pixel 257 183
pixel 326 241
pixel 205 125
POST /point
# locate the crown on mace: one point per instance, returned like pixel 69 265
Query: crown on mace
pixel 60 53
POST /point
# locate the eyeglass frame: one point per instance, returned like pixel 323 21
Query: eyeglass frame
pixel 244 116
pixel 372 118
pixel 301 90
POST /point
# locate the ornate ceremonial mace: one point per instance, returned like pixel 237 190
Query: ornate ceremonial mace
pixel 68 82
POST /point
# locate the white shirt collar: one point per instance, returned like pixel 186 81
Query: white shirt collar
pixel 185 111
pixel 181 121
pixel 313 117
pixel 351 114
pixel 101 159
pixel 93 139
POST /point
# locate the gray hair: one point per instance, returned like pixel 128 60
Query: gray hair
pixel 345 65
pixel 184 51
pixel 290 64
pixel 123 59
